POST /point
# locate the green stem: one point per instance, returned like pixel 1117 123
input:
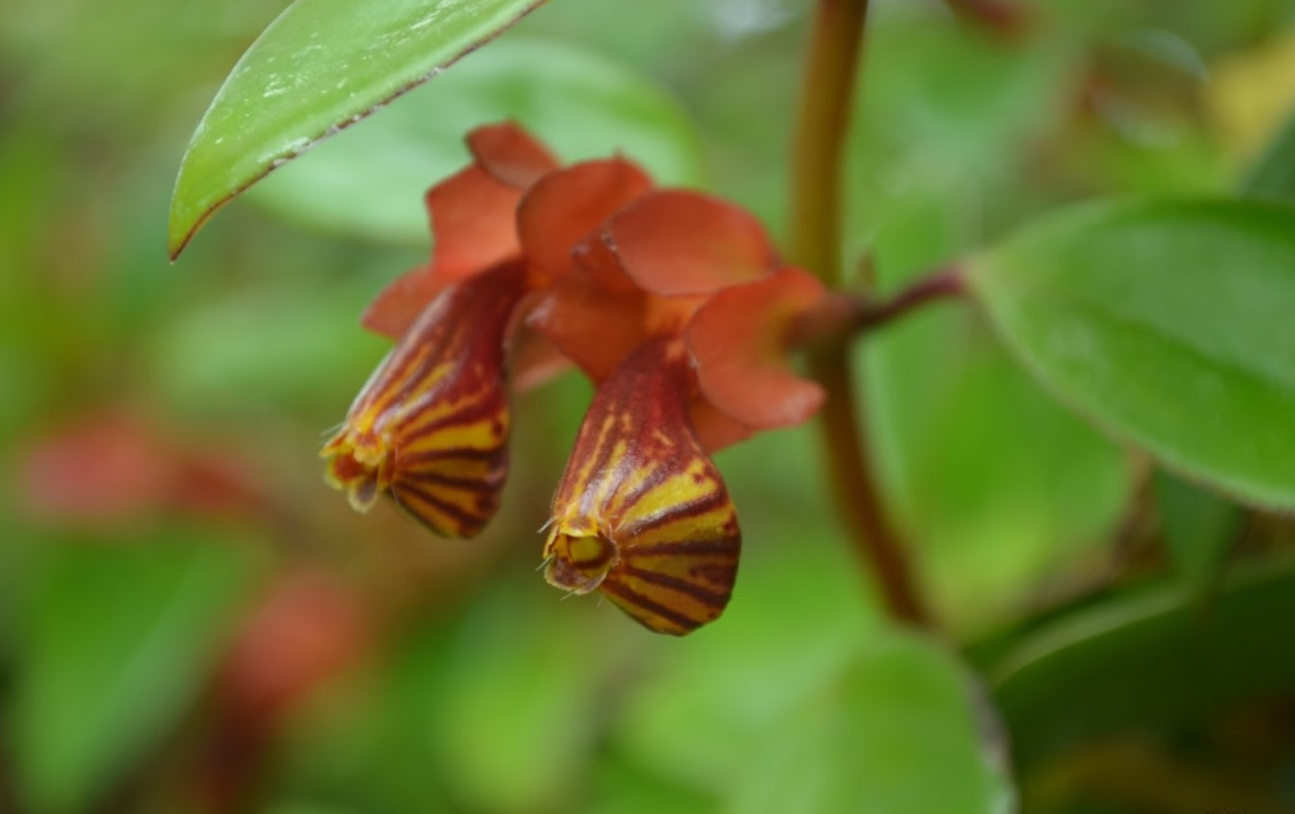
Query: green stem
pixel 815 244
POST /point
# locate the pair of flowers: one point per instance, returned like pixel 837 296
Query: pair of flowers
pixel 673 302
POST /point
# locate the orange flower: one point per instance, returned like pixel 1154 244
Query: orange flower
pixel 673 302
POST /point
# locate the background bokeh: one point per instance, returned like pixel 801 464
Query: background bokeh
pixel 190 620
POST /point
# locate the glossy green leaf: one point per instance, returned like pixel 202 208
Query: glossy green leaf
pixel 897 732
pixel 1274 173
pixel 369 181
pixel 373 750
pixel 1198 527
pixel 114 645
pixel 303 351
pixel 523 668
pixel 1168 324
pixel 712 698
pixel 321 66
pixel 619 787
pixel 1143 659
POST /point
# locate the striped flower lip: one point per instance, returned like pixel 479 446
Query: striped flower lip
pixel 642 515
pixel 430 429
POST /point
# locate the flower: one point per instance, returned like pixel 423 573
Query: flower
pixel 642 514
pixel 673 302
pixel 684 264
pixel 431 426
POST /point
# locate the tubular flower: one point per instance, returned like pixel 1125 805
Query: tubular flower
pixel 674 303
pixel 431 426
pixel 642 514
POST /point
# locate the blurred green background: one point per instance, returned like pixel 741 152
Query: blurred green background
pixel 190 620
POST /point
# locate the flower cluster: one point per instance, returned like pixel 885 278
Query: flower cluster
pixel 675 305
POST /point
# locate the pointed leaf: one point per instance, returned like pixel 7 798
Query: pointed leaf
pixel 1274 172
pixel 1198 527
pixel 900 715
pixel 115 647
pixel 369 180
pixel 321 66
pixel 1143 658
pixel 1170 325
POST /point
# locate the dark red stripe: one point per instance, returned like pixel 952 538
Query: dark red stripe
pixel 631 500
pixel 703 595
pixel 602 451
pixel 468 413
pixel 486 484
pixel 719 574
pixel 635 598
pixel 403 493
pixel 724 545
pixel 400 379
pixel 463 453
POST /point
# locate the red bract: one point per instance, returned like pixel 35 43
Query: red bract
pixel 677 263
pixel 673 302
pixel 472 219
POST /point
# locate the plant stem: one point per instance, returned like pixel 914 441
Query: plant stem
pixel 815 244
pixel 942 285
pixel 843 316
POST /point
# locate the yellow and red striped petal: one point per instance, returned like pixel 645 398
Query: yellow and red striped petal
pixel 642 515
pixel 430 428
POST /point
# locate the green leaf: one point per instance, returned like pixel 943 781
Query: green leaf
pixel 710 700
pixel 114 647
pixel 1144 658
pixel 321 66
pixel 621 787
pixel 1169 324
pixel 897 732
pixel 303 352
pixel 951 119
pixel 1198 527
pixel 374 749
pixel 369 181
pixel 520 700
pixel 1274 172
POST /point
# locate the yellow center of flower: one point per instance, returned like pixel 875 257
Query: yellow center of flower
pixel 578 559
pixel 358 466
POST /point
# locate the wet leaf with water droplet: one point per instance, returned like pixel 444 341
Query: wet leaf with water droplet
pixel 321 66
